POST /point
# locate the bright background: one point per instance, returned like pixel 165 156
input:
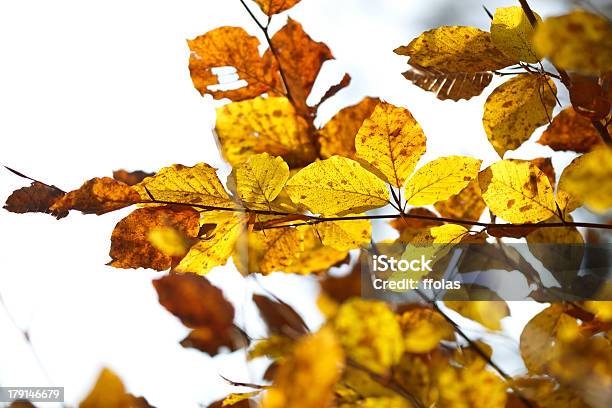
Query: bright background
pixel 87 87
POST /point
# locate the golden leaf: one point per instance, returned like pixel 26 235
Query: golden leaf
pixel 455 49
pixel 263 125
pixel 307 377
pixel 270 7
pixel 571 131
pixel 109 392
pixel 512 33
pixel 423 329
pixel 391 141
pixel 517 191
pixel 487 313
pixel 588 179
pixel 545 164
pixel 516 108
pixel 440 179
pixel 228 47
pixel 216 249
pixel 465 205
pixel 337 185
pixel 260 180
pixel 578 41
pixel 346 234
pixel 337 137
pixel 283 247
pixel 235 398
pixel 370 334
pixel 602 309
pixel 186 185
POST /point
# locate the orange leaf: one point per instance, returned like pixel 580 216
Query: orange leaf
pixel 571 131
pixel 38 197
pixel 98 196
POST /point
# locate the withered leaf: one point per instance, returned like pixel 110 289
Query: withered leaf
pixel 588 97
pixel 38 197
pixel 209 341
pixel 344 287
pixel 228 47
pixel 448 85
pixel 97 196
pixel 131 177
pixel 280 317
pixel 334 89
pixel 270 7
pixel 130 244
pixel 571 131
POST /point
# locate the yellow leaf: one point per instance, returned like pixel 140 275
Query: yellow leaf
pixel 260 180
pixel 270 7
pixel 578 41
pixel 235 398
pixel 455 49
pixel 189 185
pixel 228 47
pixel 337 137
pixel 423 329
pixel 215 249
pixel 516 108
pixel 283 247
pixel 170 241
pixel 345 235
pixel 587 179
pixel 337 185
pixel 263 125
pixel 540 335
pixel 517 191
pixel 602 309
pixel 307 377
pixel 440 179
pixel 275 347
pixel 370 334
pixel 487 313
pixel 391 141
pixel 512 33
pixel 465 205
pixel 109 392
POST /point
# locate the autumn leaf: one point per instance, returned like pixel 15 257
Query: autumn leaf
pixel 131 246
pixel 280 317
pixel 342 288
pixel 307 377
pixel 571 131
pixel 37 197
pixel 300 58
pixel 283 247
pixel 263 125
pixel 131 178
pixel 201 307
pixel 465 205
pixel 337 137
pixel 370 334
pixel 517 191
pixel 578 41
pixel 198 185
pixel 515 109
pixel 345 235
pixel 440 179
pixel 337 186
pixel 228 47
pixel 448 85
pixel 109 392
pixel 587 179
pixel 455 49
pixel 260 180
pixel 270 7
pixel 423 329
pixel 487 313
pixel 412 225
pixel 334 89
pixel 97 196
pixel 512 33
pixel 391 141
pixel 545 164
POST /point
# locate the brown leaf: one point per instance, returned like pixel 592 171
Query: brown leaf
pixel 334 89
pixel 448 85
pixel 131 177
pixel 466 205
pixel 344 287
pixel 571 131
pixel 300 58
pixel 280 317
pixel 97 196
pixel 588 97
pixel 545 164
pixel 337 137
pixel 209 341
pixel 270 7
pixel 130 245
pixel 228 47
pixel 38 197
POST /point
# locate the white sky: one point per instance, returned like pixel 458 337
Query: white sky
pixel 92 86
